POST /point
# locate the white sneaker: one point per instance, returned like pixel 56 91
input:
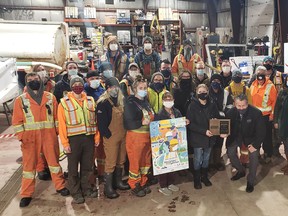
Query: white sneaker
pixel 165 191
pixel 173 188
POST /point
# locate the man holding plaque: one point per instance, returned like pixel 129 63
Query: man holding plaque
pixel 247 128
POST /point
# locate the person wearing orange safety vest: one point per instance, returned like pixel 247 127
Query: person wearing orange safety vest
pixel 77 131
pixel 264 95
pixel 36 125
pixel 137 116
pixel 128 79
pixel 187 60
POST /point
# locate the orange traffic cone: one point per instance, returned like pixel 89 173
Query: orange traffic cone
pixel 92 65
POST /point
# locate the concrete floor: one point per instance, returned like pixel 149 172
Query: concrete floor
pixel 225 197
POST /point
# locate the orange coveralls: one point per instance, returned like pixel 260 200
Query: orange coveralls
pixel 37 127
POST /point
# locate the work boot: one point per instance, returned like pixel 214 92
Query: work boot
pixel 25 202
pixel 78 199
pixel 109 192
pixel 204 177
pixel 238 175
pixel 249 188
pixel 63 192
pixel 118 180
pixel 197 179
pixel 138 191
pixel 146 189
pixel 44 175
pixel 90 193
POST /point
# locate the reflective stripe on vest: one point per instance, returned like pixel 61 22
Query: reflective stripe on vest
pixel 264 107
pixel 30 123
pixel 180 65
pixel 79 120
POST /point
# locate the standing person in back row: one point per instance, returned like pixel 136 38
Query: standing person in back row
pixel 185 60
pixel 226 72
pixel 148 59
pixel 264 95
pixel 36 124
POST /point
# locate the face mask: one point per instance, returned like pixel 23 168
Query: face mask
pixel 226 69
pixel 147 46
pixel 108 73
pixel 261 77
pixel 268 66
pixel 158 86
pixel 133 74
pixel 242 111
pixel 142 93
pixel 113 93
pixel 77 89
pixel 72 72
pixel 43 75
pixel 185 84
pixel 94 84
pixel 168 104
pixel 215 85
pixel 166 73
pixel 34 84
pixel 237 79
pixel 202 96
pixel 113 47
pixel 200 72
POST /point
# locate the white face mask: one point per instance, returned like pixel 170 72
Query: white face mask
pixel 226 69
pixel 133 74
pixel 43 75
pixel 168 104
pixel 113 47
pixel 72 72
pixel 94 84
pixel 147 46
pixel 108 73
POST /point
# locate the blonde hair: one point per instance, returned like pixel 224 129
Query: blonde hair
pixel 202 86
pixel 139 79
pixel 106 96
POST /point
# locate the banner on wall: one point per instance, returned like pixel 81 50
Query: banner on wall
pixel 169 145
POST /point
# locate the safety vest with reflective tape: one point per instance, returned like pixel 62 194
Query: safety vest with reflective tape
pixel 79 120
pixel 29 122
pixel 263 107
pixel 180 64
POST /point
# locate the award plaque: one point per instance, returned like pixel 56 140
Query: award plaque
pixel 219 126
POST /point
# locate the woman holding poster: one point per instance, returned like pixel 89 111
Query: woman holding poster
pixel 168 111
pixel 137 116
pixel 199 113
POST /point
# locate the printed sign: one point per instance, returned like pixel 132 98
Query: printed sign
pixel 169 145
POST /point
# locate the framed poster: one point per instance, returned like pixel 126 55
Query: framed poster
pixel 169 145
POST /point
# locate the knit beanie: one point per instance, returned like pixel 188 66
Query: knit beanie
pixel 112 81
pixel 147 38
pixel 76 79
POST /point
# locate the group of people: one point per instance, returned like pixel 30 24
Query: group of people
pixel 105 116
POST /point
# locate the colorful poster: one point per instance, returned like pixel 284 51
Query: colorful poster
pixel 169 145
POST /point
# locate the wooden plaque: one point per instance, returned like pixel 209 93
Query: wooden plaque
pixel 219 126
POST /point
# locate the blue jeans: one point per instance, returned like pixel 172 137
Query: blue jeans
pixel 201 158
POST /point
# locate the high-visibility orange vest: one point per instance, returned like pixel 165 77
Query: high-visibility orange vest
pixel 79 120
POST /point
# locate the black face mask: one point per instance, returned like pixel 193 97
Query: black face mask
pixel 237 79
pixel 261 77
pixel 185 84
pixel 158 86
pixel 268 66
pixel 202 96
pixel 242 111
pixel 166 73
pixel 34 84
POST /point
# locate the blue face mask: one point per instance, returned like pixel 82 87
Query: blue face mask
pixel 200 72
pixel 72 72
pixel 215 85
pixel 108 73
pixel 142 93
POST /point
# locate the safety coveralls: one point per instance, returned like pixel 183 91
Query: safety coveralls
pixel 37 127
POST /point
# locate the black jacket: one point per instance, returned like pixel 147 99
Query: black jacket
pixel 251 128
pixel 104 116
pixel 133 114
pixel 163 114
pixel 199 116
pixel 182 99
pixel 226 80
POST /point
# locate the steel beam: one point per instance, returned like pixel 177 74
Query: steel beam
pixel 235 6
pixel 212 13
pixel 283 20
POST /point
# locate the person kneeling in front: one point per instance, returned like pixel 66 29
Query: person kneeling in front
pixel 247 127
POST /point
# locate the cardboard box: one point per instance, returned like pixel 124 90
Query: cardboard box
pixel 219 126
pixel 110 19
